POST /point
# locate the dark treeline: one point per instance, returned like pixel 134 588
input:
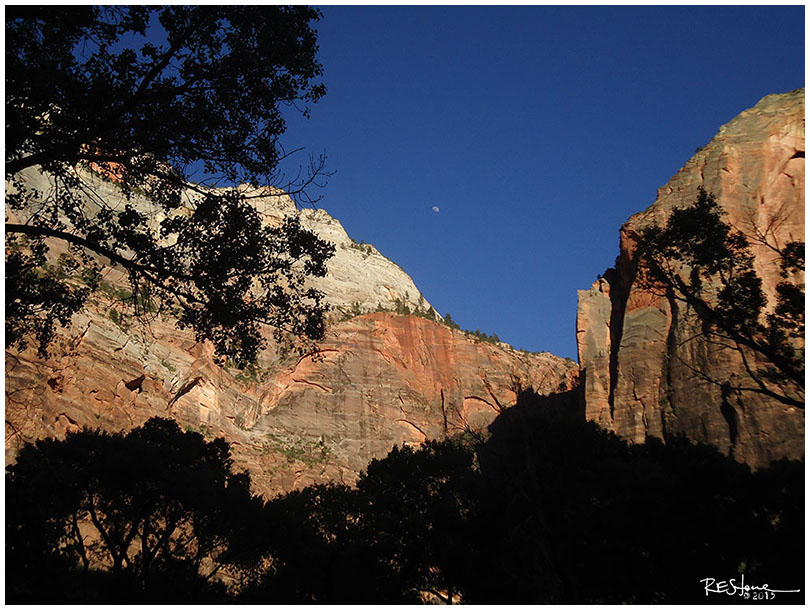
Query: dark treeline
pixel 546 508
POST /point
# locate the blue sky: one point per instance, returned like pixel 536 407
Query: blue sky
pixel 536 130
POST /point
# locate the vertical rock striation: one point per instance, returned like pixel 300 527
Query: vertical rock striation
pixel 646 366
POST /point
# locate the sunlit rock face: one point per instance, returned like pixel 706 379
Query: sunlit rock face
pixel 378 380
pixel 360 278
pixel 646 367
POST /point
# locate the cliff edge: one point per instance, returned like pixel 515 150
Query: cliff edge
pixel 379 378
pixel 647 367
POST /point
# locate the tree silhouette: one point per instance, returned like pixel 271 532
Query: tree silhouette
pixel 145 97
pixel 570 513
pixel 417 506
pixel 154 506
pixel 701 260
pixel 400 536
pixel 317 544
pixel 548 509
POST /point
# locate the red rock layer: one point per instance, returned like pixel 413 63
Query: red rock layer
pixel 378 380
pixel 647 369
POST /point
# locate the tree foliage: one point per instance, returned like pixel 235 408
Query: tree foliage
pixel 154 504
pixel 703 261
pixel 315 538
pixel 149 97
pixel 570 513
pixel 396 538
pixel 548 509
pixel 417 506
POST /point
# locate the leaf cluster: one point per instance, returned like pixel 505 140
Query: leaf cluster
pixel 381 542
pixel 517 517
pixel 700 259
pixel 143 97
pixel 36 299
pixel 154 503
pixel 520 516
pixel 174 84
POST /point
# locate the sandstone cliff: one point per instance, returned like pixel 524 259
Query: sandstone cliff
pixel 379 379
pixel 359 277
pixel 647 369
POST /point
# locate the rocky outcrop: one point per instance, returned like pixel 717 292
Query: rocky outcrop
pixel 646 366
pixel 379 379
pixel 359 277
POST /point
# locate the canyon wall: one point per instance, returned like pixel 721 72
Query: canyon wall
pixel 646 365
pixel 379 379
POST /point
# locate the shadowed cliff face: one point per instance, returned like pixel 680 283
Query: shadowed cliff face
pixel 647 368
pixel 378 380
